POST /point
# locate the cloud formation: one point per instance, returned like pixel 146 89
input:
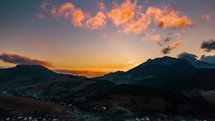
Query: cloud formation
pixel 41 16
pixel 167 39
pixel 128 17
pixel 169 48
pixel 122 14
pixel 208 46
pixel 209 59
pixel 101 6
pixel 171 19
pixel 205 17
pixel 23 60
pixel 131 18
pixel 78 17
pixel 99 21
pixel 177 34
pixel 186 55
pixel 154 37
pixel 137 25
pixel 44 5
pixel 69 11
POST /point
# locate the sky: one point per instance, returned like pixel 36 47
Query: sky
pixel 94 37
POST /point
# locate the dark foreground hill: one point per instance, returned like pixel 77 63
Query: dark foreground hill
pixel 15 106
pixel 93 95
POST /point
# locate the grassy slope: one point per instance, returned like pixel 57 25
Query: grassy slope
pixel 20 105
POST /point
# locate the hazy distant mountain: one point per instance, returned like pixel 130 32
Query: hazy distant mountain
pixel 197 63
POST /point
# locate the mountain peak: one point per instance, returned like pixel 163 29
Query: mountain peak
pixel 165 61
pixel 29 66
pixel 197 63
pixel 27 74
pixel 36 69
pixel 153 70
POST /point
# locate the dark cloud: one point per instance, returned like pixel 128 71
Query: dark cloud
pixel 169 48
pixel 208 45
pixel 161 24
pixel 23 60
pixel 186 55
pixel 209 59
pixel 166 50
pixel 167 39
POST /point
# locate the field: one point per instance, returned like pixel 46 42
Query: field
pixel 12 105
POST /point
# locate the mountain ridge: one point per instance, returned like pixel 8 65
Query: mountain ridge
pixel 148 89
pixel 160 71
pixel 22 75
pixel 197 63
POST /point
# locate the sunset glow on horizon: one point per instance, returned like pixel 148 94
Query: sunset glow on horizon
pixel 92 38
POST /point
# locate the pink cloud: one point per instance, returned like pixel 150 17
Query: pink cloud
pixel 44 6
pixel 205 17
pixel 101 6
pixel 41 16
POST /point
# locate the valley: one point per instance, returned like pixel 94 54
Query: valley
pixel 67 96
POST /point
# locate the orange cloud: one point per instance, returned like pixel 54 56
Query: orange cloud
pixel 131 18
pixel 138 25
pixel 78 16
pixel 23 60
pixel 96 22
pixel 169 48
pixel 205 17
pixel 173 20
pixel 168 18
pixel 128 16
pixel 176 45
pixel 68 10
pixel 122 14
